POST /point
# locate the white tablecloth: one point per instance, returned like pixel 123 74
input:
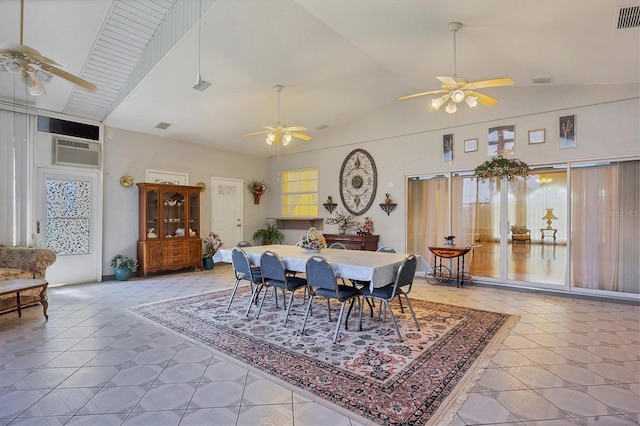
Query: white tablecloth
pixel 378 268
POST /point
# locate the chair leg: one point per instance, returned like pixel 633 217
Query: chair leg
pixel 411 310
pixel 395 323
pixel 335 335
pixel 329 309
pixel 233 293
pixel 289 308
pixel 261 302
pixel 254 297
pixel 400 301
pixel 306 315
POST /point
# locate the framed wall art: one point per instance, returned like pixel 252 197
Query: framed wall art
pixel 567 132
pixel 470 145
pixel 447 147
pixel 536 136
pixel 501 140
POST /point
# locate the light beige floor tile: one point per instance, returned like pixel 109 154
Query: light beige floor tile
pixel 617 397
pixel 528 405
pixel 575 402
pixel 483 409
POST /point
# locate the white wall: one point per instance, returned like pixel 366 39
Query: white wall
pixel 404 142
pixel 131 153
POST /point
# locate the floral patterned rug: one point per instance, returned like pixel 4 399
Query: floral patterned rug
pixel 368 374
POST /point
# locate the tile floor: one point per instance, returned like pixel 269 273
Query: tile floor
pixel 567 362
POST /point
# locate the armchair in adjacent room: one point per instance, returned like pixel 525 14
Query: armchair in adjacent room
pixel 520 234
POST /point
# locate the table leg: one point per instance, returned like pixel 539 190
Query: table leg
pixel 44 302
pixel 18 303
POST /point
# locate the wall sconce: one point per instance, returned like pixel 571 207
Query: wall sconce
pixel 330 205
pixel 126 181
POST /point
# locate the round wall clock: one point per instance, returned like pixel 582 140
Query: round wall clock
pixel 358 181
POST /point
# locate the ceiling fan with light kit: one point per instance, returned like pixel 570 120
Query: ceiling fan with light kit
pixel 281 132
pixel 456 90
pixel 33 68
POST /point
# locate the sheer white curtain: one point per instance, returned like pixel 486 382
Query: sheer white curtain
pixel 14 176
pixel 428 215
pixel 605 230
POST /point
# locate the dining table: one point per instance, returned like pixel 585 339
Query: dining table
pixel 377 268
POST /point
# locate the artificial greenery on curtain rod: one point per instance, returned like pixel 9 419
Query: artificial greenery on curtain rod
pixel 499 167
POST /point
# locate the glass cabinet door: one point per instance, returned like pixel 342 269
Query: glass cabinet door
pixel 174 214
pixel 153 229
pixel 194 219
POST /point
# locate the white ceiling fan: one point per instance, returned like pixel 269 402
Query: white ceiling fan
pixel 32 67
pixel 457 90
pixel 281 132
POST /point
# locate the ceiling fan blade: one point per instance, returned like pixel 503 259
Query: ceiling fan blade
pixel 72 78
pixel 300 136
pixel 402 98
pixel 294 128
pixel 483 99
pixel 10 49
pixel 496 82
pixel 448 81
pixel 264 132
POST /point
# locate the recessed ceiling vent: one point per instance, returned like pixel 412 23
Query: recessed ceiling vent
pixel 628 17
pixel 547 79
pixel 162 125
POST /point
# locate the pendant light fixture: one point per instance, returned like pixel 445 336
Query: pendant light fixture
pixel 201 84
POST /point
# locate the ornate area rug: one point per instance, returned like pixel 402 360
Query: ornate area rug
pixel 367 375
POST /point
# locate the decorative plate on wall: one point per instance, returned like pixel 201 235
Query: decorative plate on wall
pixel 358 181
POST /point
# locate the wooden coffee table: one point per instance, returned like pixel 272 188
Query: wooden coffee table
pixel 33 290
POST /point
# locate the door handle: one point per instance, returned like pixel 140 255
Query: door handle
pixel 37 227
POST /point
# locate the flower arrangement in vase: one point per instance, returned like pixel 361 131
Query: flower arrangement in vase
pixel 211 244
pixel 313 241
pixel 257 188
pixel 449 240
pixel 343 219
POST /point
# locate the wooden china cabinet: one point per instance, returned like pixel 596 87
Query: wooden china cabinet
pixel 169 231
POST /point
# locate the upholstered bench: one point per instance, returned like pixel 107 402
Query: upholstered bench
pixel 14 294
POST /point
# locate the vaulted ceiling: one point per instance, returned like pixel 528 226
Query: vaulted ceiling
pixel 338 60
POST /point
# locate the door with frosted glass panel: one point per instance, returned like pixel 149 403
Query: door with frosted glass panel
pixel 67 224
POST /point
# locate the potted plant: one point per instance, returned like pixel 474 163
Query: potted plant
pixel 269 235
pixel 448 240
pixel 211 245
pixel 123 266
pixel 387 198
pixel 344 221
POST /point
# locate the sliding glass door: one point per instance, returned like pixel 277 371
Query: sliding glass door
pixel 533 230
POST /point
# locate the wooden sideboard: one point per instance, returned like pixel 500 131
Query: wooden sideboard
pixel 354 242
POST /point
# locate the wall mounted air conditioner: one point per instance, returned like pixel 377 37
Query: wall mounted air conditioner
pixel 74 152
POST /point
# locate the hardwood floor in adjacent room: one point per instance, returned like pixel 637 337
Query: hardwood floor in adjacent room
pixel 531 262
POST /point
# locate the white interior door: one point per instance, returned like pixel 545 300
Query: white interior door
pixel 67 222
pixel 226 209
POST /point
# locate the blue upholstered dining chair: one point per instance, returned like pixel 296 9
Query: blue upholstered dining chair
pixel 339 246
pixel 323 281
pixel 244 271
pixel 401 287
pixel 275 275
pixel 387 250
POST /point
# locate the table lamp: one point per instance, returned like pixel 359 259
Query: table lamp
pixel 549 217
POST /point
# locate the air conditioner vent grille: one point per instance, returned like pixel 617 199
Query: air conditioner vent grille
pixel 76 153
pixel 628 17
